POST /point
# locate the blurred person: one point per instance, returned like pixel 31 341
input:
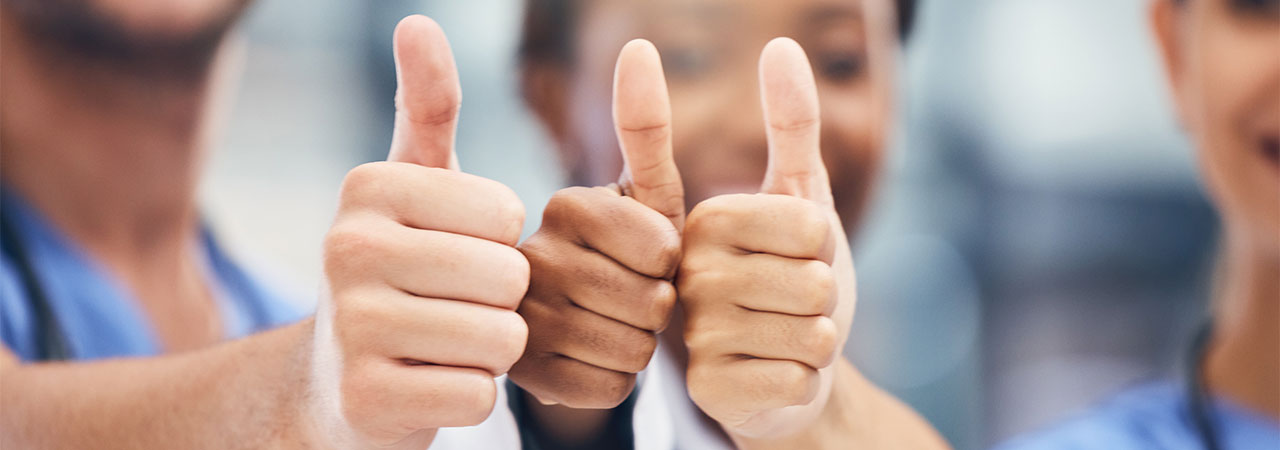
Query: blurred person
pixel 115 301
pixel 765 282
pixel 1222 59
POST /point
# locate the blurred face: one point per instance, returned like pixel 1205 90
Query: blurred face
pixel 124 29
pixel 710 50
pixel 1223 58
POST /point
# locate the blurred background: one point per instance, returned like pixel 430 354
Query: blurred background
pixel 1039 239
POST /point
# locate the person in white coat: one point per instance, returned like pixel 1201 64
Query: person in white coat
pixel 124 324
pixel 734 167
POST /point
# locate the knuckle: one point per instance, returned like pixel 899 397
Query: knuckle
pixel 350 249
pixel 698 338
pixel 825 340
pixel 603 389
pixel 807 335
pixel 515 272
pixel 692 263
pixel 695 341
pixel 709 216
pixel 512 335
pixel 481 395
pixel 566 205
pixel 535 244
pixel 794 382
pixel 812 225
pixel 541 252
pixel 661 302
pixel 667 253
pixel 639 352
pixel 821 283
pixel 720 214
pixel 615 388
pixel 362 178
pixel 695 285
pixel 527 373
pixel 510 212
pixel 542 321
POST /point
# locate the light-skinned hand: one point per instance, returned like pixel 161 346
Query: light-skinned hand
pixel 767 282
pixel 423 278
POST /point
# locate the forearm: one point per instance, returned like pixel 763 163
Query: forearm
pixel 858 415
pixel 241 394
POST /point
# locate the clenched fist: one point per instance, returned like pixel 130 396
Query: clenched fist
pixel 604 258
pixel 767 282
pixel 423 275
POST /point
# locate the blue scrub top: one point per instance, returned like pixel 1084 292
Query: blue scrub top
pixel 97 314
pixel 1154 416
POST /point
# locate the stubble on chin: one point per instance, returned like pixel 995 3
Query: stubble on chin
pixel 81 30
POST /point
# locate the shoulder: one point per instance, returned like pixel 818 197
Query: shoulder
pixel 1148 416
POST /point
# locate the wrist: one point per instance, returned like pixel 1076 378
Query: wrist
pixel 860 412
pixel 296 410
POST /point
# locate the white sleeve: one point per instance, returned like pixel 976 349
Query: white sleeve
pixel 660 404
pixel 674 421
pixel 651 418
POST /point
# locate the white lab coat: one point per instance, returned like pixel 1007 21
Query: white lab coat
pixel 664 418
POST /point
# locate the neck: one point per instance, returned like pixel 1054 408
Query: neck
pixel 1243 363
pixel 109 154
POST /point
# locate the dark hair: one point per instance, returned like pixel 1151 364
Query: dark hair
pixel 547 36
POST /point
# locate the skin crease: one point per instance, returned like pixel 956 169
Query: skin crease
pixel 394 352
pixel 719 148
pixel 1224 70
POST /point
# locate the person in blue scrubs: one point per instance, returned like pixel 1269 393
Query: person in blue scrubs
pixel 125 324
pixel 102 137
pixel 1222 58
pixel 103 126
